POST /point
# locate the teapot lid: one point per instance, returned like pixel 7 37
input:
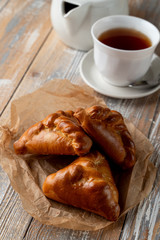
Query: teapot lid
pixel 79 2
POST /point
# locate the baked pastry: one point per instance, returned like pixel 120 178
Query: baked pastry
pixel 86 183
pixel 108 130
pixel 59 134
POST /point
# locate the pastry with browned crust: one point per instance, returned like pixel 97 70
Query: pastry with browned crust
pixel 59 134
pixel 86 183
pixel 108 130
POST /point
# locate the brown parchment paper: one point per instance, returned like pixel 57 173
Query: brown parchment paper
pixel 27 173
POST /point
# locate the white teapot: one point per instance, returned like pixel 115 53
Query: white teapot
pixel 72 19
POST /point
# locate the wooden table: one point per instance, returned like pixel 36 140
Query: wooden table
pixel 31 55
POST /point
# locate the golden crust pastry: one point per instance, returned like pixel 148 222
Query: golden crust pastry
pixel 59 133
pixel 86 183
pixel 108 130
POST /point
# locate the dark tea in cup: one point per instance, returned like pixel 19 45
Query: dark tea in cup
pixel 125 39
pixel 123 48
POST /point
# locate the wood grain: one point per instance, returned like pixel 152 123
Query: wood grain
pixel 148 10
pixel 13 216
pixel 24 26
pixel 3 4
pixel 49 232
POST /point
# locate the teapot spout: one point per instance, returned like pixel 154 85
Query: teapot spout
pixel 69 7
pixel 75 15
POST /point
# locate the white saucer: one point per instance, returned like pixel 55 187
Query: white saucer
pixel 94 79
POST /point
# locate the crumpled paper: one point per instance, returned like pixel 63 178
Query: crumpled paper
pixel 27 173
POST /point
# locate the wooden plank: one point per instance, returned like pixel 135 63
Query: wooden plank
pixel 3 4
pixel 24 25
pixel 113 231
pixel 45 232
pixel 148 10
pixel 13 216
pixel 50 232
pixel 54 60
pixel 146 223
pixel 27 24
pixel 4 182
pixel 59 61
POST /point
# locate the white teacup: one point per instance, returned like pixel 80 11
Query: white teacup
pixel 122 67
